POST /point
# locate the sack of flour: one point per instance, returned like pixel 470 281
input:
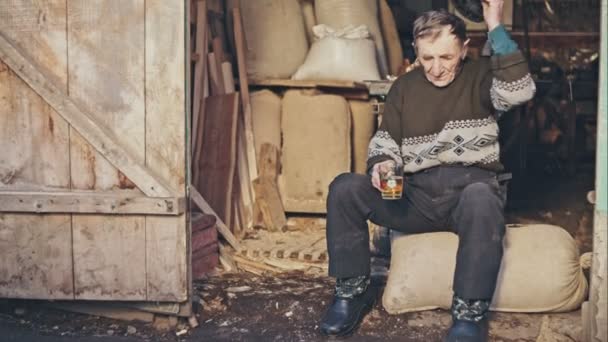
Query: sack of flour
pixel 347 54
pixel 540 272
pixel 341 13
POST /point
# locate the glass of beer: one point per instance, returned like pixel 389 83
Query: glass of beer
pixel 391 181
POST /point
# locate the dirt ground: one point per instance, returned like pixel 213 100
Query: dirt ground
pixel 247 307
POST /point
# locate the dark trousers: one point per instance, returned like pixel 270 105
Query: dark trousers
pixel 466 200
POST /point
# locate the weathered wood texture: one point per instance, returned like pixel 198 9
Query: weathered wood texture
pixel 106 74
pixel 92 93
pixel 89 202
pixel 200 202
pixel 109 257
pixel 33 137
pixel 215 184
pixel 166 237
pixel 36 257
pixel 35 250
pixel 239 37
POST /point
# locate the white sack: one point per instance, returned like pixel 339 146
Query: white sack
pixel 342 13
pixel 346 54
pixel 540 272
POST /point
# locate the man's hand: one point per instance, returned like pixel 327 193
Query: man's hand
pixel 492 12
pixel 377 168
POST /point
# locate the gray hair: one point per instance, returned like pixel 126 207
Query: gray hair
pixel 430 24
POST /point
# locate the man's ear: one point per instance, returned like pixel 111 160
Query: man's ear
pixel 465 48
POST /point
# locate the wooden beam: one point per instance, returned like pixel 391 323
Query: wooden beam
pixel 200 202
pixel 89 203
pixel 100 137
pixel 288 83
pixel 239 37
pixel 200 68
pixel 267 194
pixel 269 201
pixel 268 161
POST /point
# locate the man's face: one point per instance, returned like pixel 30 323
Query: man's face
pixel 440 56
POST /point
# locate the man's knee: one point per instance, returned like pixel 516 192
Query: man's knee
pixel 479 195
pixel 347 184
pixel 479 215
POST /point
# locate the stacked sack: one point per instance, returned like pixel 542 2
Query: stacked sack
pixel 358 33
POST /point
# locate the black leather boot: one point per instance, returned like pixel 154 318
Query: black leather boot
pixel 469 321
pixel 353 299
pixel 468 331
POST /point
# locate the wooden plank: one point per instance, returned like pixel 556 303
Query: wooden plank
pixel 200 68
pixel 106 108
pixel 239 37
pixel 267 194
pixel 288 83
pixel 104 309
pixel 215 75
pixel 36 258
pixel 218 160
pixel 269 161
pixel 100 137
pixel 166 111
pixel 33 136
pixel 247 193
pixel 269 201
pixel 200 202
pixel 228 78
pixel 36 250
pixel 89 202
pixel 38 30
pixel 106 77
pixel 102 245
pixel 167 258
pixel 198 150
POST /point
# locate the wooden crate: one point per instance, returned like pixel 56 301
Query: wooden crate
pixel 93 161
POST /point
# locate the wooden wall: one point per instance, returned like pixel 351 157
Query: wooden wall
pixel 121 61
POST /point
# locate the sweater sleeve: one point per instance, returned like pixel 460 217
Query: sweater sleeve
pixel 384 144
pixel 508 82
pixel 500 41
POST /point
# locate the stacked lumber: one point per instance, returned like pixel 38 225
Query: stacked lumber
pixel 224 162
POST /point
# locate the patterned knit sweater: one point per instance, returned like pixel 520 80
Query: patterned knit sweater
pixel 425 126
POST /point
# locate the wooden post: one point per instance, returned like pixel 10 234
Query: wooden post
pixel 267 193
pixel 239 37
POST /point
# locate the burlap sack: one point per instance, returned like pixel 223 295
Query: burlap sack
pixel 316 148
pixel 341 13
pixel 540 272
pixel 392 43
pixel 275 37
pixel 363 119
pixel 266 118
pixel 308 11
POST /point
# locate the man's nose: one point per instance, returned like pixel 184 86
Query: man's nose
pixel 436 68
